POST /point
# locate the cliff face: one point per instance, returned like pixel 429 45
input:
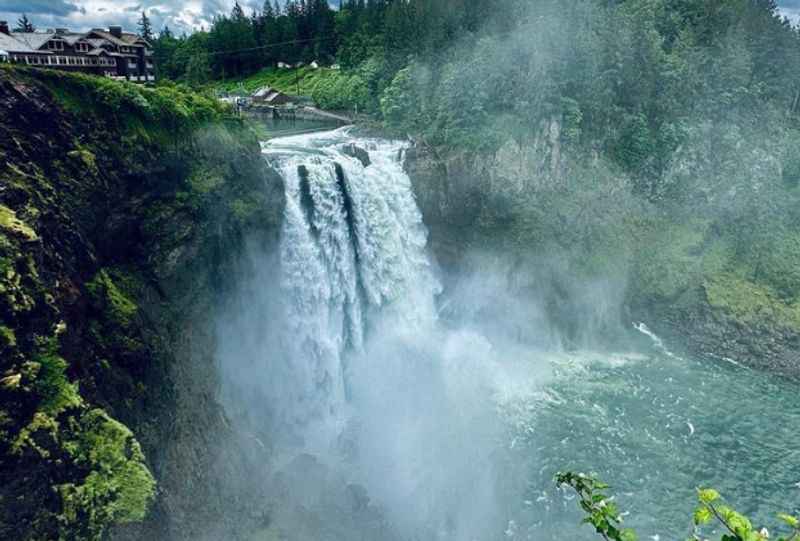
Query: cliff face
pixel 561 222
pixel 121 213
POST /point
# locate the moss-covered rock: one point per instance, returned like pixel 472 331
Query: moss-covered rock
pixel 120 206
pixel 119 488
pixel 10 223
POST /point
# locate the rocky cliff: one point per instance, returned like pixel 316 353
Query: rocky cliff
pixel 568 224
pixel 122 211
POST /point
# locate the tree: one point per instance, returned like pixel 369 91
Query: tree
pixel 145 29
pixel 237 14
pixel 24 25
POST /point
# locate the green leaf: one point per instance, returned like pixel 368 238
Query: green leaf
pixel 708 495
pixel 794 522
pixel 702 515
pixel 628 535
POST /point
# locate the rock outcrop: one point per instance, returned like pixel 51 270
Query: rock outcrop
pixel 121 210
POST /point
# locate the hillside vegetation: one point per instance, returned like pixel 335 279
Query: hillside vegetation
pixel 295 82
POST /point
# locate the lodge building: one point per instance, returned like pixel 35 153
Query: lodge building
pixel 112 52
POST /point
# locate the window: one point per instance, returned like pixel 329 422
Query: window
pixel 55 45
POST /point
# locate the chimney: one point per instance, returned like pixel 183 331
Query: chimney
pixel 4 28
pixel 62 31
pixel 115 31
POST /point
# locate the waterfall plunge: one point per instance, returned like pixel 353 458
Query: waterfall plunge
pixel 353 246
pixel 333 350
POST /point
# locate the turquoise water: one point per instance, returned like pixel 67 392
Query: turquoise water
pixel 657 427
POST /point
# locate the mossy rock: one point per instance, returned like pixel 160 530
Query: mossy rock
pixel 119 487
pixel 84 158
pixel 111 300
pixel 750 303
pixel 9 222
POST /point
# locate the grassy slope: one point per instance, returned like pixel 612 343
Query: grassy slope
pixel 291 81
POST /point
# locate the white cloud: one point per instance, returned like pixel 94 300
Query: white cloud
pixel 180 15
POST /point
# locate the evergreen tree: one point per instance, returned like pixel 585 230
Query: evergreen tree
pixel 237 14
pixel 145 29
pixel 24 25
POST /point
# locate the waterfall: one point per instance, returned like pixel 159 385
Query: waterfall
pixel 353 251
pixel 333 356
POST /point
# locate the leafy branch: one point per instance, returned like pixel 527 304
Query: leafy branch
pixel 738 526
pixel 603 514
pixel 601 511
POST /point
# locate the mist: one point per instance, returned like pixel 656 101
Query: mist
pixel 395 396
pixel 389 412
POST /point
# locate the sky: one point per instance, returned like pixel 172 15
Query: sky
pixel 180 15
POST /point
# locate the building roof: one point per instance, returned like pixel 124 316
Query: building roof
pixel 105 34
pixel 134 39
pixel 269 94
pixel 275 95
pixel 13 45
pixel 72 38
pixel 262 92
pixel 35 40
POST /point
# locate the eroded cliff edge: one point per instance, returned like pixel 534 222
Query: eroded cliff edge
pixel 712 270
pixel 122 211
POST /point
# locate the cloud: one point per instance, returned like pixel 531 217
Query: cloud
pixel 49 7
pixel 790 9
pixel 79 15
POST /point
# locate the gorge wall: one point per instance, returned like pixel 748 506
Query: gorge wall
pixel 569 218
pixel 122 213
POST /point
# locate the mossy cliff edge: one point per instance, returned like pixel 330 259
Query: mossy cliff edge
pixel 120 210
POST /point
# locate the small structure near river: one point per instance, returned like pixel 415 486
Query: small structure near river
pixel 270 96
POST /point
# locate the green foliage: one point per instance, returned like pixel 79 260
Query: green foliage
pixel 738 526
pixel 50 379
pixel 343 92
pixel 399 104
pixel 295 81
pixel 171 108
pixel 10 223
pixel 750 303
pixel 110 300
pixel 602 513
pixel 119 488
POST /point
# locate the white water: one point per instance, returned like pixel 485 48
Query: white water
pixel 343 261
pixel 454 429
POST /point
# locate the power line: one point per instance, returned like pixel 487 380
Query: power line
pixel 270 46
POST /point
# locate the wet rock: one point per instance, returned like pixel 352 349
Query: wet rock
pixel 358 153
